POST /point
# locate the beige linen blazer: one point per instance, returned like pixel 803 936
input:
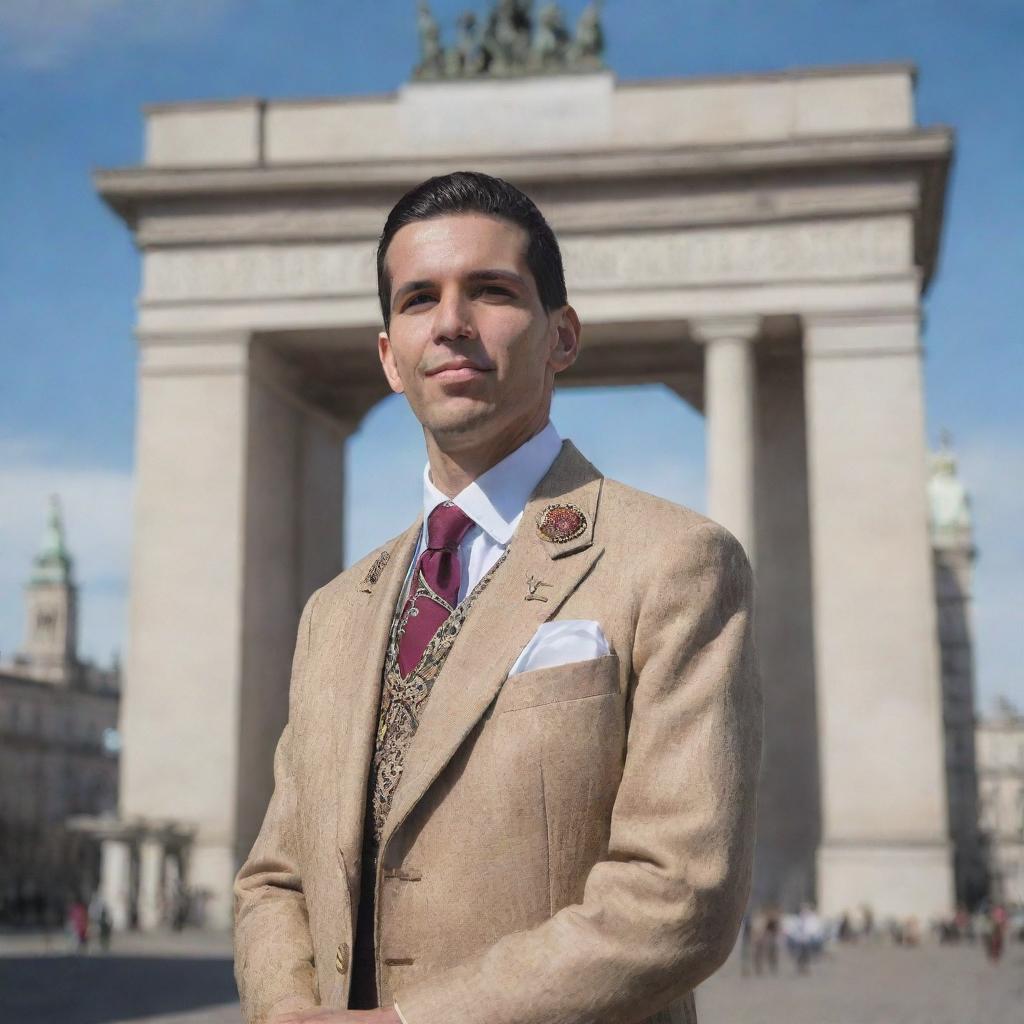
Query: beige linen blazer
pixel 571 845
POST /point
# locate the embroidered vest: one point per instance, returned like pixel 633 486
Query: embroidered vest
pixel 401 708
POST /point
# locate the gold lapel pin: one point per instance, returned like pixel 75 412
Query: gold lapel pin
pixel 373 573
pixel 532 584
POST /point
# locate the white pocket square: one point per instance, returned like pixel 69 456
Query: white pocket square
pixel 561 642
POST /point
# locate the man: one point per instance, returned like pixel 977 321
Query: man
pixel 517 783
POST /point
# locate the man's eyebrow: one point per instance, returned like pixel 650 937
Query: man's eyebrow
pixel 501 275
pixel 409 286
pixel 493 274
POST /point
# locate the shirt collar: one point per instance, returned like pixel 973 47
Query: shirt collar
pixel 496 499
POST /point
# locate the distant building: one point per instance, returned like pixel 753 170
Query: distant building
pixel 954 555
pixel 58 747
pixel 1000 742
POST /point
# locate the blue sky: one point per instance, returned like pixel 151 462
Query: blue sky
pixel 75 73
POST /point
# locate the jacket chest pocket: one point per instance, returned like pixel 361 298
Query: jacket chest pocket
pixel 559 684
pixel 557 742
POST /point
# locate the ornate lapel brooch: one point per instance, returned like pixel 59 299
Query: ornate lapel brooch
pixel 561 523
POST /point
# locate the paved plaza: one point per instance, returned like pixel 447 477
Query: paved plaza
pixel 880 984
pixel 187 979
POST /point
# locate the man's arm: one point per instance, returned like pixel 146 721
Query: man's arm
pixel 273 947
pixel 660 913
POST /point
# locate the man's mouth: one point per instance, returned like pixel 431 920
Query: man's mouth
pixel 457 370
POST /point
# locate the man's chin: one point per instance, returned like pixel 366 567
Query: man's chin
pixel 460 418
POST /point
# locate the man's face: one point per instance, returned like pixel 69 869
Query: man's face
pixel 470 344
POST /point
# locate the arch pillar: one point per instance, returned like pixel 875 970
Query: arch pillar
pixel 884 821
pixel 238 518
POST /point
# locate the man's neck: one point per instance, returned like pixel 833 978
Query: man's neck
pixel 452 472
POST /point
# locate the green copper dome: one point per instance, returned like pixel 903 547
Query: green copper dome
pixel 53 564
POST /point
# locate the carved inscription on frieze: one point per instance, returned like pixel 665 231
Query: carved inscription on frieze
pixel 819 250
pixel 826 249
pixel 259 272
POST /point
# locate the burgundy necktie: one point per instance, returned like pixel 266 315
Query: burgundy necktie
pixel 442 571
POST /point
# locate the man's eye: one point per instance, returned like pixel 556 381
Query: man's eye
pixel 495 289
pixel 416 299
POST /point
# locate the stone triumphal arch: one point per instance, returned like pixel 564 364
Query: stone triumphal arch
pixel 760 244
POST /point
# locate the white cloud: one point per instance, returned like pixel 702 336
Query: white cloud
pixel 44 34
pixel 97 507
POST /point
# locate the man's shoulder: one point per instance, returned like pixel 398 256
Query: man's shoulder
pixel 662 534
pixel 642 514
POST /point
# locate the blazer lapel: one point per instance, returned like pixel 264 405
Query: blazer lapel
pixel 500 625
pixel 355 657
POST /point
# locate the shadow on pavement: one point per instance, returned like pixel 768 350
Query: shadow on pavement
pixel 101 989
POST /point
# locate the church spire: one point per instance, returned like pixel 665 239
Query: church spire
pixel 51 600
pixel 53 564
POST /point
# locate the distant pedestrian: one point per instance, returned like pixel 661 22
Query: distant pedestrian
pixel 766 941
pixel 962 922
pixel 106 927
pixel 78 922
pixel 867 917
pixel 805 936
pixel 996 934
pixel 746 944
pixel 179 906
pixel 772 931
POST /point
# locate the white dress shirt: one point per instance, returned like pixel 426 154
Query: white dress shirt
pixel 495 502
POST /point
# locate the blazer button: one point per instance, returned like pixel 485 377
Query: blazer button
pixel 341 960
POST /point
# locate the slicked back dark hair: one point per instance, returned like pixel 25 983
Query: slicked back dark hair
pixel 473 192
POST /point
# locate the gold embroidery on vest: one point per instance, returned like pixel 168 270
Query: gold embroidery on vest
pixel 403 700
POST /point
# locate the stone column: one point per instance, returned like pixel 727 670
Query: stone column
pixel 151 881
pixel 116 880
pixel 238 517
pixel 729 411
pixel 884 833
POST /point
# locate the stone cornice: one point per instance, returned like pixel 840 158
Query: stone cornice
pixel 125 188
pixel 797 196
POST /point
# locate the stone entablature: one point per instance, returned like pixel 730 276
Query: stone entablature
pixel 794 178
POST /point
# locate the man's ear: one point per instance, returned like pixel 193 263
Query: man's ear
pixel 566 343
pixel 387 361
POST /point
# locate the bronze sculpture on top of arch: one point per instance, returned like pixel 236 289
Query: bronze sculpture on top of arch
pixel 511 40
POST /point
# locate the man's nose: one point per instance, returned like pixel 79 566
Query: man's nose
pixel 453 317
